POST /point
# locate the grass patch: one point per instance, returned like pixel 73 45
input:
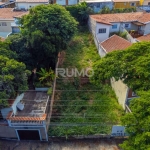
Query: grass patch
pixel 83 109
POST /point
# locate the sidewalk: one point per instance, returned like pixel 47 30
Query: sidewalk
pixel 94 144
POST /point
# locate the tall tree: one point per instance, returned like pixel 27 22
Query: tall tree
pixel 18 44
pixel 131 65
pixel 48 29
pixel 80 12
pixel 137 123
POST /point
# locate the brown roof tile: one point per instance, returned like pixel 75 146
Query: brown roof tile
pixel 9 117
pixel 115 43
pixel 144 38
pixel 8 13
pixel 122 17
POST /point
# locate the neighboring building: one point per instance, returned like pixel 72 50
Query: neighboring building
pixel 101 25
pixel 97 5
pixel 27 116
pixel 64 2
pixel 126 3
pixel 27 4
pixel 2 5
pixel 113 43
pixel 6 19
pixel 143 38
pixel 109 45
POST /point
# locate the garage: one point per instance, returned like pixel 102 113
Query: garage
pixel 28 134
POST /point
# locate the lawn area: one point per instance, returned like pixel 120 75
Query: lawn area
pixel 83 108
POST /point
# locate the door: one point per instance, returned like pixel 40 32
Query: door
pixel 28 134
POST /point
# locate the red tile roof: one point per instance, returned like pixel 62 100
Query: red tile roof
pixel 115 43
pixel 10 117
pixel 144 38
pixel 122 17
pixel 8 13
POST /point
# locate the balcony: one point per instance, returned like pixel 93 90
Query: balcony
pixel 136 34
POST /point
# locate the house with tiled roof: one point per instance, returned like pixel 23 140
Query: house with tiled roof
pixel 113 43
pixel 7 18
pixel 123 93
pixel 145 38
pixel 101 25
pixel 27 4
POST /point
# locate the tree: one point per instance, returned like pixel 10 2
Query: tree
pixel 137 123
pixel 47 29
pixel 18 44
pixel 13 76
pixel 132 66
pixel 80 12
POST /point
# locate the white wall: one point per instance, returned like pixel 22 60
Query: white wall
pixel 117 29
pixel 147 29
pixel 101 51
pixel 72 2
pixel 27 5
pixel 61 2
pixel 5 28
pixel 102 36
pixel 121 91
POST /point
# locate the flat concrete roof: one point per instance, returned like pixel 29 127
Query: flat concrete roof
pixel 35 104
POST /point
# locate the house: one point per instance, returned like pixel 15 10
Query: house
pixel 27 4
pixel 101 25
pixel 113 43
pixel 6 19
pixel 126 3
pixel 109 45
pixel 143 38
pixel 64 2
pixel 26 116
pixel 97 5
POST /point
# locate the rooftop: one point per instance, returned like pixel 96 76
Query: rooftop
pixel 32 1
pixel 34 104
pixel 122 17
pixel 115 43
pixel 144 38
pixel 8 13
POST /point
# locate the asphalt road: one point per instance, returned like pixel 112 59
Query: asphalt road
pixel 90 144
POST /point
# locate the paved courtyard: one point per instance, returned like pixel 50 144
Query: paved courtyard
pixel 90 144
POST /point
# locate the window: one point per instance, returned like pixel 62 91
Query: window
pixel 4 24
pixel 124 3
pixel 148 3
pixel 126 25
pixel 102 30
pixel 114 26
pixel 132 4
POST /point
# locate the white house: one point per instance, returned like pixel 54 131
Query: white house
pixel 6 19
pixel 66 2
pixel 97 5
pixel 101 25
pixel 27 4
pixel 109 45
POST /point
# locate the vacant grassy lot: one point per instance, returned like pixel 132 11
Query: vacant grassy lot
pixel 82 108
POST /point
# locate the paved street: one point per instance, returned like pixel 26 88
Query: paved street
pixel 90 144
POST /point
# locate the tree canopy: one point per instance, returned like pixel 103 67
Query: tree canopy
pixel 47 29
pixel 137 123
pixel 80 12
pixel 131 65
pixel 13 74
